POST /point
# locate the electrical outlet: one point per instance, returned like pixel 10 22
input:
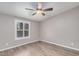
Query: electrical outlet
pixel 7 44
pixel 72 44
pixel 63 41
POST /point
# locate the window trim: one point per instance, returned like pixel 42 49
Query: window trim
pixel 21 38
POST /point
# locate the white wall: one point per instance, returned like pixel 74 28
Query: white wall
pixel 62 29
pixel 7 32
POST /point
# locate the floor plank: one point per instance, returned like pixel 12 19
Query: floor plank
pixel 38 49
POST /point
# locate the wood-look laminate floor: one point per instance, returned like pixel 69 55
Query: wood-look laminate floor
pixel 39 49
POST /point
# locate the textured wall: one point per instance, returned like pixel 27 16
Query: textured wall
pixel 62 29
pixel 7 32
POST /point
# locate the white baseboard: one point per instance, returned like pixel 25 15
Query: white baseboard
pixel 18 45
pixel 61 45
pixel 37 41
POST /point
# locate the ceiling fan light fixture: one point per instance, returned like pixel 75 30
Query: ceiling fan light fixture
pixel 39 11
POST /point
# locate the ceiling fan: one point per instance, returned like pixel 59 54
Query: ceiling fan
pixel 39 9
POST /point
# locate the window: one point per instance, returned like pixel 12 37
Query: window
pixel 22 29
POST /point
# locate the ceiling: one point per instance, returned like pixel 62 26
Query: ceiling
pixel 18 9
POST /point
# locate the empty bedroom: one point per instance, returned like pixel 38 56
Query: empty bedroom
pixel 39 28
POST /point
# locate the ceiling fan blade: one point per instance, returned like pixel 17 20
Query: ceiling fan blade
pixel 48 9
pixel 34 13
pixel 29 9
pixel 43 14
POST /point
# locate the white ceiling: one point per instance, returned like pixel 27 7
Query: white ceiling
pixel 18 9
